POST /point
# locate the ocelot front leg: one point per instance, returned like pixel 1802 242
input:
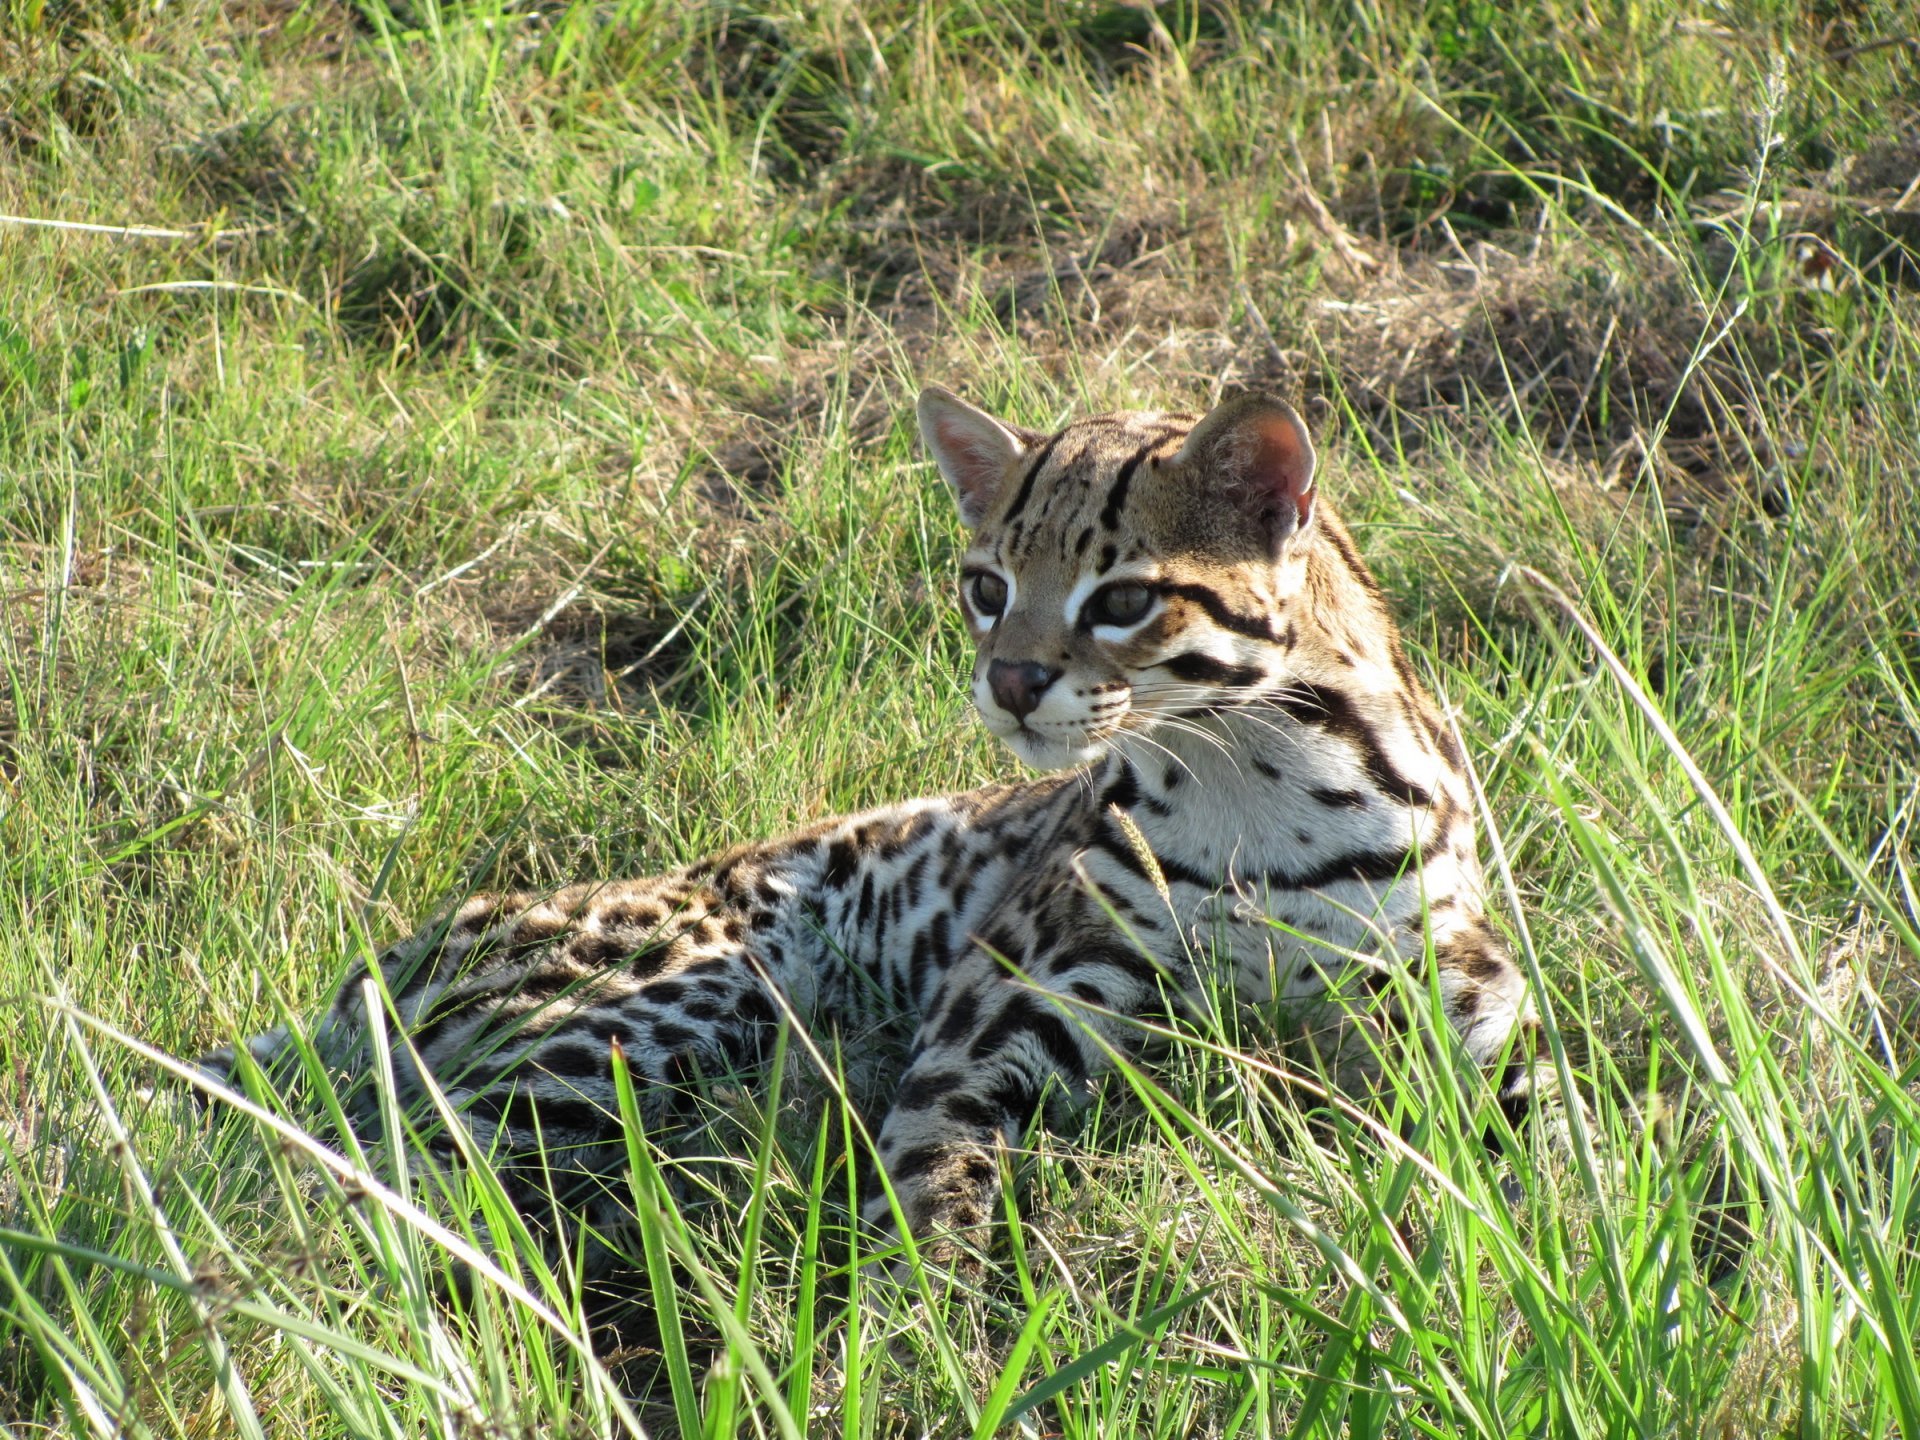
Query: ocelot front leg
pixel 1344 1003
pixel 999 1037
pixel 999 1040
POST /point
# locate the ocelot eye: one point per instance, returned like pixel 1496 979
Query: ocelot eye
pixel 1118 605
pixel 988 593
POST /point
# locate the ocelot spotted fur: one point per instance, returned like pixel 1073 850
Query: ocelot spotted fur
pixel 1247 773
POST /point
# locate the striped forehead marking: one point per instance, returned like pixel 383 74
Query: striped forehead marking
pixel 1090 451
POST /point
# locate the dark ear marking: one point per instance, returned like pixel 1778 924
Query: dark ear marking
pixel 1258 452
pixel 974 451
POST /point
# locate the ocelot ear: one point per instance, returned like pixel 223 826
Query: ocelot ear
pixel 1257 451
pixel 974 451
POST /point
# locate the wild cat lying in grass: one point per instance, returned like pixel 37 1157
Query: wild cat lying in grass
pixel 1172 622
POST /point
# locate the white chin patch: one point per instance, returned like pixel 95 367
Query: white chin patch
pixel 1043 753
pixel 1065 747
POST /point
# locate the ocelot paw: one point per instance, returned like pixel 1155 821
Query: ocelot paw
pixel 271 1051
pixel 950 1240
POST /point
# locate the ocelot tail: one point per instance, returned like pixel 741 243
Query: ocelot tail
pixel 1247 775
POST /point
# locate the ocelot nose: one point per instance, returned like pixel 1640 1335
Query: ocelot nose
pixel 1018 685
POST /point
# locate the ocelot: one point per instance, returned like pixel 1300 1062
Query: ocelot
pixel 1246 774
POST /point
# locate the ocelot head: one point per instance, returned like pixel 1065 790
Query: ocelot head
pixel 1130 569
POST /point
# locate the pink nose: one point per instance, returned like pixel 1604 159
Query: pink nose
pixel 1018 685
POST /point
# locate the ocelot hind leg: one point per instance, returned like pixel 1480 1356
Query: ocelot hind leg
pixel 514 1005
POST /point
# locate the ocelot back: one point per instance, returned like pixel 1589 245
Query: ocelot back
pixel 1160 601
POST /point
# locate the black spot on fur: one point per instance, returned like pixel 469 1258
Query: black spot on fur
pixel 1343 547
pixel 671 1036
pixel 1046 934
pixel 631 916
pixel 1015 1095
pixel 755 1007
pixel 1339 799
pixel 1117 495
pixel 972 1111
pixel 940 935
pixel 925 1089
pixel 1024 1014
pixel 1124 791
pixel 1108 842
pixel 1334 711
pixel 1026 481
pixel 1374 866
pixel 842 860
pixel 1474 955
pixel 666 992
pixel 525 1116
pixel 962 1012
pixel 912 1163
pixel 976 1169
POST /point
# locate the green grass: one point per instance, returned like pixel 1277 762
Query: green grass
pixel 501 473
